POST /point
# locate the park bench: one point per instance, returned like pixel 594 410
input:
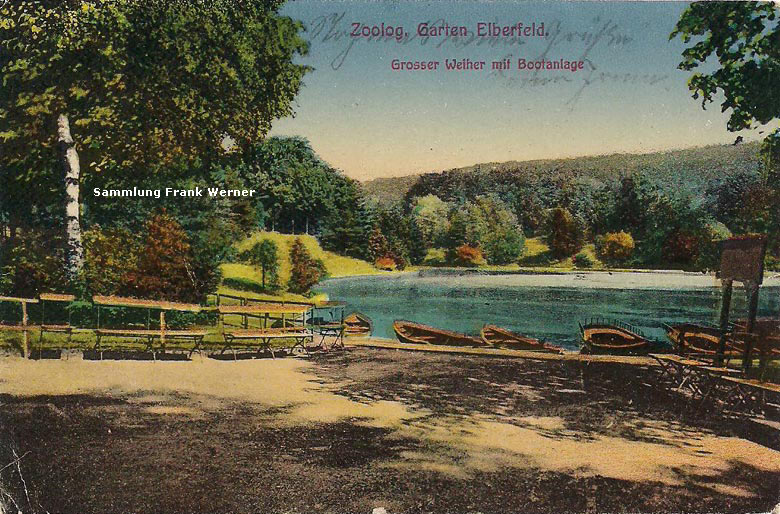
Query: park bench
pixel 697 377
pixel 262 338
pixel 266 313
pixel 160 338
pixel 749 395
pixel 155 339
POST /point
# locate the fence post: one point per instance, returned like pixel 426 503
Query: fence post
pixel 162 331
pixel 724 321
pixel 25 334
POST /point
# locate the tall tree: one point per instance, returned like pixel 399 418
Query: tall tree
pixel 139 84
pixel 744 37
pixel 265 255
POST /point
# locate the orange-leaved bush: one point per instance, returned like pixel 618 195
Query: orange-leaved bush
pixel 467 255
pixel 165 265
pixel 615 246
pixel 305 270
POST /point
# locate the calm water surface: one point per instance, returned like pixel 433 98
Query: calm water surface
pixel 465 303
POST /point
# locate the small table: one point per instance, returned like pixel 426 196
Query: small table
pixel 335 330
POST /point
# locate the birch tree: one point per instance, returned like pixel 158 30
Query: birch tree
pixel 130 86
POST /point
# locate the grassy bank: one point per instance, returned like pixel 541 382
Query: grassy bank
pixel 336 265
pixel 537 257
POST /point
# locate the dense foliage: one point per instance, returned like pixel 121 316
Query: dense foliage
pixel 152 94
pixel 734 55
pixel 744 37
pixel 676 206
pixel 564 233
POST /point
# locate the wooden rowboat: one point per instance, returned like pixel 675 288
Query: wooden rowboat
pixel 417 333
pixel 767 331
pixel 615 338
pixel 504 338
pixel 692 338
pixel 358 324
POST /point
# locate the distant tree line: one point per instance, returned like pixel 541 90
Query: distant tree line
pixel 634 218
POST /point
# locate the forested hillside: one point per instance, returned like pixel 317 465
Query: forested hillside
pixel 664 209
pixel 690 167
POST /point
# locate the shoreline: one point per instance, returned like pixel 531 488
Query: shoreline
pixel 615 279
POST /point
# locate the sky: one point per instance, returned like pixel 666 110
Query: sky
pixel 371 121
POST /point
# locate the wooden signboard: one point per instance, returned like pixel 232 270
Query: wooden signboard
pixel 742 259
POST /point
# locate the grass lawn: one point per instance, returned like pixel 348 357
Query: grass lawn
pixel 337 265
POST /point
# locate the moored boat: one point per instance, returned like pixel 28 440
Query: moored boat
pixel 417 333
pixel 613 337
pixel 358 324
pixel 501 337
pixel 767 331
pixel 693 338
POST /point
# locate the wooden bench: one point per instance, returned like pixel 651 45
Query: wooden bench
pixel 266 312
pixel 264 336
pixel 750 395
pixel 152 336
pixel 694 375
pixel 19 328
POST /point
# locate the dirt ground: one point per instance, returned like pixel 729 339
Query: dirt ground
pixel 366 428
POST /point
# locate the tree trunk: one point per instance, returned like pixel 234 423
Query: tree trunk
pixel 70 162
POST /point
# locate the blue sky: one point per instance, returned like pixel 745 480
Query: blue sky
pixel 371 121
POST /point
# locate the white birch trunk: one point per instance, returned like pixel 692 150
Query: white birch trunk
pixel 70 161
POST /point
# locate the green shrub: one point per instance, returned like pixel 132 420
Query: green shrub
pixel 709 253
pixel 583 260
pixel 265 256
pixel 503 246
pixel 772 263
pixel 109 256
pixel 435 257
pixel 34 263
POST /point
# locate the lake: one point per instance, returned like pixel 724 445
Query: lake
pixel 542 306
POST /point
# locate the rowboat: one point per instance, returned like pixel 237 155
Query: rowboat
pixel 358 324
pixel 767 331
pixel 417 333
pixel 692 338
pixel 614 337
pixel 504 338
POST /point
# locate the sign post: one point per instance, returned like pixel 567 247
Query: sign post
pixel 741 259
